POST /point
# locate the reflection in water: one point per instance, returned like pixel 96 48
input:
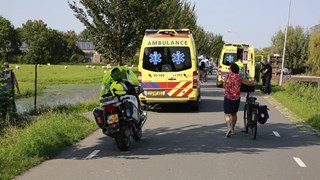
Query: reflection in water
pixel 61 94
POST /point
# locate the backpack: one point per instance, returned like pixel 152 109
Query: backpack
pixel 202 65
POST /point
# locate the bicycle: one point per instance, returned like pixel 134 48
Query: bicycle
pixel 251 115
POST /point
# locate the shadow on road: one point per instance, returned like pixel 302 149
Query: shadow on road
pixel 198 138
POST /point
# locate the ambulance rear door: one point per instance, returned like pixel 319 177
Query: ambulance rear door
pixel 167 72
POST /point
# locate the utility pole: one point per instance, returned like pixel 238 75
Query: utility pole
pixel 284 45
pixel 35 87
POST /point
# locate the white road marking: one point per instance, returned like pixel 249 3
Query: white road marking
pixel 178 149
pixel 276 133
pixel 95 152
pixel 299 162
pixel 159 149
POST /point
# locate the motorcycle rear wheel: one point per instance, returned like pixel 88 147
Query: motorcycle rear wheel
pixel 123 141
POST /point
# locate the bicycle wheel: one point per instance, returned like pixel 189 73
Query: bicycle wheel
pixel 254 126
pixel 245 118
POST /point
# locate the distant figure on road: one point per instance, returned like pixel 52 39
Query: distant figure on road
pixel 203 64
pixel 267 75
pixel 232 96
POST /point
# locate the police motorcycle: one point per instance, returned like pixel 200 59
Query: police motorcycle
pixel 121 115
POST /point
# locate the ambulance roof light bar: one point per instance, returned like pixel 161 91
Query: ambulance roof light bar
pixel 167 31
pixel 151 31
pixel 237 44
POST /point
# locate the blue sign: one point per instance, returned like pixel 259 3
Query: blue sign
pixel 230 58
pixel 155 58
pixel 178 57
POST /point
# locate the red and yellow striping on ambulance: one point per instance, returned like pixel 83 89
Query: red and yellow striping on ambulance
pixel 168 68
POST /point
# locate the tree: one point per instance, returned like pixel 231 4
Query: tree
pixel 208 43
pixel 296 48
pixel 215 45
pixel 314 52
pixel 9 40
pixel 84 36
pixel 33 33
pixel 201 40
pixel 117 26
pixel 47 45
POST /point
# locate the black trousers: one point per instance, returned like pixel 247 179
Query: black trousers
pixel 268 85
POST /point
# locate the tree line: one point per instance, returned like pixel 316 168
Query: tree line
pixel 302 49
pixel 116 29
pixel 43 44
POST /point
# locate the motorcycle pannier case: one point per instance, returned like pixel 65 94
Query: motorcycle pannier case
pixel 131 111
pixel 98 116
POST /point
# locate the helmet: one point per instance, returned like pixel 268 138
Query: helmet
pixel 118 74
pixel 118 88
pixel 263 113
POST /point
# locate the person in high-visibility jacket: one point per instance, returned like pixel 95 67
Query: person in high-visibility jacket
pixel 241 68
pixel 119 73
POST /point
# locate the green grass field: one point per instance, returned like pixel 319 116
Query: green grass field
pixel 55 74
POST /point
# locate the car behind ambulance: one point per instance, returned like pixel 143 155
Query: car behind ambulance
pixel 168 68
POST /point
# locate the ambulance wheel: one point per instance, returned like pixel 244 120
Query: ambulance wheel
pixel 195 105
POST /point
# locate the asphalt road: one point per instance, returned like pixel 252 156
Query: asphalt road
pixel 179 144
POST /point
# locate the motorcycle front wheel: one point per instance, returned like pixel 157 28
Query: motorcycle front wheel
pixel 137 134
pixel 123 141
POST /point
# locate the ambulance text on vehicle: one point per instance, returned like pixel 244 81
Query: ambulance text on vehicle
pixel 168 68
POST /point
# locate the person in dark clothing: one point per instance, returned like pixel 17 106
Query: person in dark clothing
pixel 10 84
pixel 267 75
pixel 263 67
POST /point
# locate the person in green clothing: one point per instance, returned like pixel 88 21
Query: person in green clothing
pixel 241 68
pixel 119 73
pixel 128 78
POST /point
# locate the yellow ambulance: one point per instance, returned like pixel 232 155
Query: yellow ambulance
pixel 231 53
pixel 168 68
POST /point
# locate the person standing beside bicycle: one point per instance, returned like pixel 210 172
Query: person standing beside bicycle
pixel 232 85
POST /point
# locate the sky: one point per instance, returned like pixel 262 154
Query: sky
pixel 238 21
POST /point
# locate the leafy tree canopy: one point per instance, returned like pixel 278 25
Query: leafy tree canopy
pixel 117 26
pixel 314 52
pixel 9 40
pixel 47 45
pixel 296 48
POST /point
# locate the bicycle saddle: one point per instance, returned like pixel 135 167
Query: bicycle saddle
pixel 252 99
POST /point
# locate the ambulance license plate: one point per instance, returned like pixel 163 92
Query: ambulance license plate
pixel 155 93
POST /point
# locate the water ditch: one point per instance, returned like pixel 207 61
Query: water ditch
pixel 61 94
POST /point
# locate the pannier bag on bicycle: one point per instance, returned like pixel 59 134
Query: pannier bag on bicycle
pixel 263 113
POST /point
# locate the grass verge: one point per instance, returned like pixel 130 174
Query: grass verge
pixel 303 99
pixel 24 147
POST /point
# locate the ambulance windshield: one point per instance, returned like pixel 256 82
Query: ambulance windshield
pixel 166 59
